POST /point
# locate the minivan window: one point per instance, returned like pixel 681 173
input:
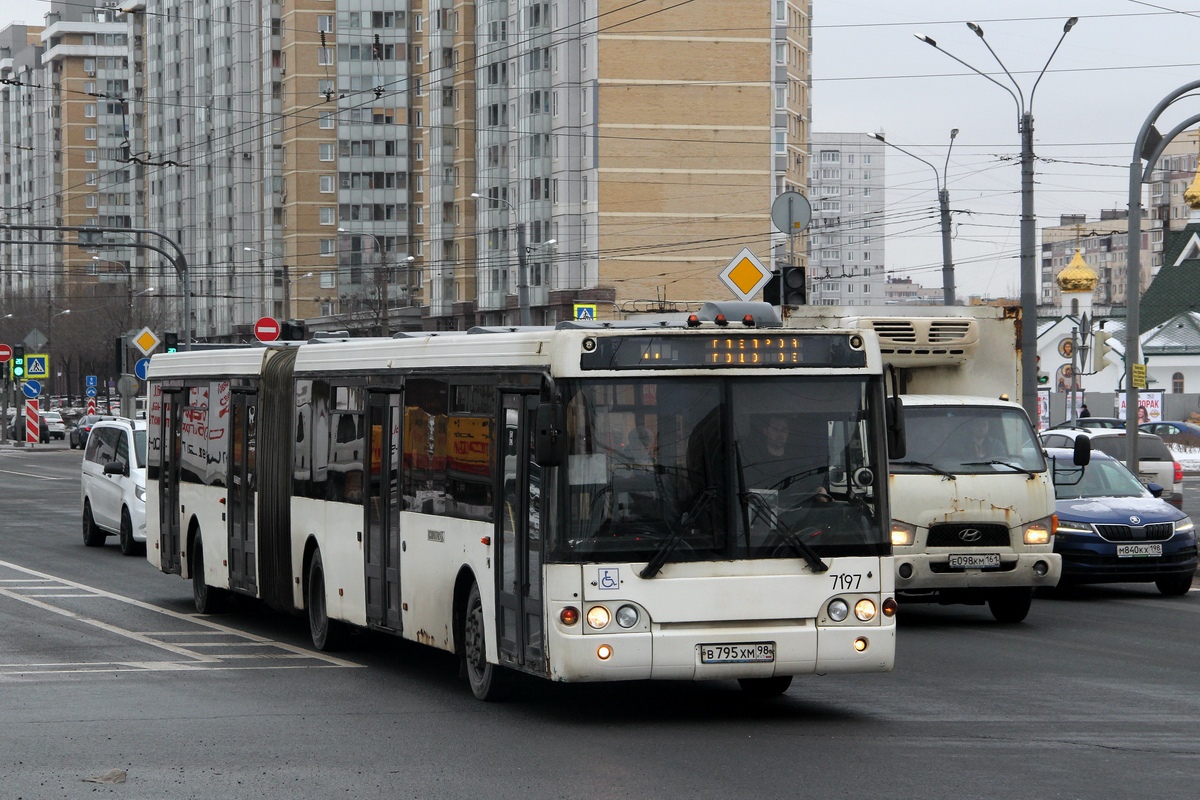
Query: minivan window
pixel 139 447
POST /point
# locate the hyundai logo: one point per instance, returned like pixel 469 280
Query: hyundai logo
pixel 1135 520
pixel 970 534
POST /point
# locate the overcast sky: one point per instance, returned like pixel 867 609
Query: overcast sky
pixel 871 74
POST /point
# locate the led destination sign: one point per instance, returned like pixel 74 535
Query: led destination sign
pixel 725 350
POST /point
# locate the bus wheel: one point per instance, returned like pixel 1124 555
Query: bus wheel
pixel 327 634
pixel 765 687
pixel 1010 605
pixel 208 599
pixel 487 680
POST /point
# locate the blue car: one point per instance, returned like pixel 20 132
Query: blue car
pixel 1111 529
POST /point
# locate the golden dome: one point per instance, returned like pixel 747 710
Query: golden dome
pixel 1078 276
pixel 1191 195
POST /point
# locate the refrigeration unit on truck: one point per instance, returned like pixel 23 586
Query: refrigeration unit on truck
pixel 972 498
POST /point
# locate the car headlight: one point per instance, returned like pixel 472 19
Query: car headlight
pixel 140 492
pixel 903 534
pixel 1184 525
pixel 1072 526
pixel 1040 530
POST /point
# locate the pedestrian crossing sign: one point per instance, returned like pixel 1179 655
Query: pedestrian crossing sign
pixel 37 366
pixel 585 311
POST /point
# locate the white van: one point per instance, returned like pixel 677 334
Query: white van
pixel 114 484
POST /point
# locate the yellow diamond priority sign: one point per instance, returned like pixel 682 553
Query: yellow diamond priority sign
pixel 146 341
pixel 745 275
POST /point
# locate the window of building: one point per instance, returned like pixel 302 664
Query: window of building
pixel 327 152
pixel 328 247
pixel 327 184
pixel 325 56
pixel 324 87
pixel 89 133
pixel 89 110
pixel 1177 383
pixel 325 23
pixel 326 120
pixel 90 178
pixel 328 216
pixel 328 280
pixel 89 156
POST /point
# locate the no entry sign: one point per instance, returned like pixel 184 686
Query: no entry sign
pixel 5 353
pixel 266 329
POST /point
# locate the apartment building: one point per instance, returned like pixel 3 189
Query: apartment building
pixel 845 244
pixel 328 159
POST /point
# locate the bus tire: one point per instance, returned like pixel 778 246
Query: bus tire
pixel 487 680
pixel 765 687
pixel 208 599
pixel 1010 605
pixel 92 535
pixel 327 634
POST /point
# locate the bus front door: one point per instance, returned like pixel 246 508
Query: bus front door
pixel 242 443
pixel 168 481
pixel 519 533
pixel 381 546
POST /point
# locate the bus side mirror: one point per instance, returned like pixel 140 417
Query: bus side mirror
pixel 897 446
pixel 549 435
pixel 1083 451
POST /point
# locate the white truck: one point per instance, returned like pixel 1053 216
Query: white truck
pixel 972 500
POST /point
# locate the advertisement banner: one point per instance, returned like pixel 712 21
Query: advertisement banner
pixel 1043 409
pixel 1150 405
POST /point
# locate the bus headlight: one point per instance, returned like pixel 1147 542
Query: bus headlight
pixel 598 617
pixel 838 610
pixel 903 534
pixel 627 616
pixel 865 610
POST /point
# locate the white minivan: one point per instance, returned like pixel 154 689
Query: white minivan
pixel 114 484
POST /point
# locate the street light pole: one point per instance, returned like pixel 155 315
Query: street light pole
pixel 522 262
pixel 381 279
pixel 1028 228
pixel 948 297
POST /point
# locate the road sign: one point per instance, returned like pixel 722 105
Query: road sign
pixel 267 329
pixel 141 368
pixel 5 353
pixel 90 391
pixel 37 366
pixel 33 428
pixel 585 311
pixel 127 386
pixel 1139 376
pixel 89 380
pixel 791 212
pixel 146 340
pixel 745 275
pixel 31 388
pixel 35 339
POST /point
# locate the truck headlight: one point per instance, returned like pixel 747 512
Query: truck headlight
pixel 903 534
pixel 1041 530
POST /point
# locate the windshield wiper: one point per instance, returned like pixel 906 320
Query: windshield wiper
pixel 950 476
pixel 804 551
pixel 1000 463
pixel 789 536
pixel 655 565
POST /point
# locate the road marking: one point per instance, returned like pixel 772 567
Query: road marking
pixel 191 656
pixel 30 475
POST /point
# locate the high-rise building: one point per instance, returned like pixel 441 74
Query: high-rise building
pixel 846 189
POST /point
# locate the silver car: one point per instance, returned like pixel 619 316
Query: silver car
pixel 1155 462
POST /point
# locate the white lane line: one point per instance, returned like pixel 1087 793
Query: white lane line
pixel 148 638
pixel 30 475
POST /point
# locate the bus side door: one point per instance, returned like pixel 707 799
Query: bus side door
pixel 519 533
pixel 381 545
pixel 169 432
pixel 243 574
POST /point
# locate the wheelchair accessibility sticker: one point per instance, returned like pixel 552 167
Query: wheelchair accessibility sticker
pixel 608 578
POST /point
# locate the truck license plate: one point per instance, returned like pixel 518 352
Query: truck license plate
pixel 974 560
pixel 1137 550
pixel 740 653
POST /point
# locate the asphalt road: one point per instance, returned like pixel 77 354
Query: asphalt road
pixel 104 666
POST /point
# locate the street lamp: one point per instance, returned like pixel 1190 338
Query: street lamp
pixel 287 310
pixel 1028 221
pixel 381 279
pixel 944 206
pixel 523 251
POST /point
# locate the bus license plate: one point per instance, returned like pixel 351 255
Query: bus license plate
pixel 1136 550
pixel 741 653
pixel 974 560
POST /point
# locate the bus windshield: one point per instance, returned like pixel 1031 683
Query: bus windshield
pixel 722 468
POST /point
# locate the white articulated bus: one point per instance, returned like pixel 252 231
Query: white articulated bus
pixel 580 503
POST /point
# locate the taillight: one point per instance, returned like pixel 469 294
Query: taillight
pixel 1178 472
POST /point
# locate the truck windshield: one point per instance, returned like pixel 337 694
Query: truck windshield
pixel 730 468
pixel 968 440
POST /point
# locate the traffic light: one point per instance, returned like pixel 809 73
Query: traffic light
pixel 1042 378
pixel 788 287
pixel 1101 348
pixel 18 361
pixel 170 342
pixel 292 331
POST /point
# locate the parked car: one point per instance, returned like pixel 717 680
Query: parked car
pixel 1155 462
pixel 79 434
pixel 1111 529
pixel 55 425
pixel 1186 434
pixel 1092 422
pixel 114 484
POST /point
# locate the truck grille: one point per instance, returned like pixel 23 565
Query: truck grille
pixel 1158 532
pixel 966 534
